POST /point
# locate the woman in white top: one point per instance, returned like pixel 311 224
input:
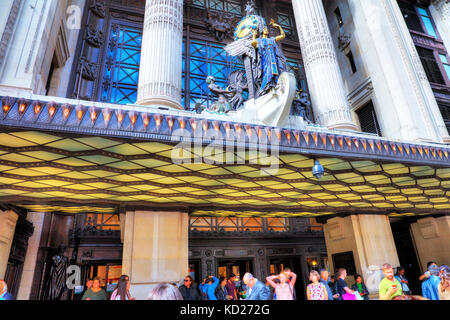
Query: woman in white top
pixel 122 292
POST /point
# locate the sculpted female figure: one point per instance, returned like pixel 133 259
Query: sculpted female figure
pixel 272 60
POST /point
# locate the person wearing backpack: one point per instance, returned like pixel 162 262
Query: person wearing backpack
pixel 209 287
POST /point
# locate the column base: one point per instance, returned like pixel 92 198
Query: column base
pixel 160 101
pixel 446 139
pixel 344 126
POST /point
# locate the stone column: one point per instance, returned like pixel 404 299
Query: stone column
pixel 161 54
pixel 440 11
pixel 155 249
pixel 26 282
pixel 370 239
pixel 432 240
pixel 8 220
pixel 325 82
pixel 402 91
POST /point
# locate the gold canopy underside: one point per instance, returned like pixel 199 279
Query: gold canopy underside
pixel 51 172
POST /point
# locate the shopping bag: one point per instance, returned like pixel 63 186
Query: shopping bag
pixel 358 296
pixel 347 296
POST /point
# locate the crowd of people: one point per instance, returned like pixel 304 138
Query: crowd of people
pixel 322 286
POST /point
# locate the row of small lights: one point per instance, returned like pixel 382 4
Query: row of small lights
pixel 94 113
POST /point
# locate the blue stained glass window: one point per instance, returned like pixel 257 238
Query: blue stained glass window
pixel 205 59
pixel 446 65
pixel 426 19
pixel 296 68
pixel 121 71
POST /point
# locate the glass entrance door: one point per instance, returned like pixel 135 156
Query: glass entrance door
pixel 237 267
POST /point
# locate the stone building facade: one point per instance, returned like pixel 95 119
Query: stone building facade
pixel 374 69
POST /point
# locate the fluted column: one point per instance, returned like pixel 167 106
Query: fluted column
pixel 161 54
pixel 325 82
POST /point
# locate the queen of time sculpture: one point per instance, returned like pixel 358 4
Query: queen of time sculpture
pixel 271 90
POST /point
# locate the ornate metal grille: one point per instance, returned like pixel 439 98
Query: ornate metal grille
pixel 204 59
pixel 232 7
pixel 234 224
pixel 100 221
pixel 121 70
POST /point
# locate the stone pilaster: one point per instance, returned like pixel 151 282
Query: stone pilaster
pixel 370 239
pixel 440 11
pixel 26 282
pixel 155 249
pixel 403 94
pixel 325 82
pixel 161 54
pixel 432 240
pixel 8 220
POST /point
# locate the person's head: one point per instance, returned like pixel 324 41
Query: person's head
pixel 342 273
pixel 358 278
pixel 445 276
pixel 123 286
pixel 430 263
pixel 324 274
pixel 287 271
pixel 388 271
pixel 266 32
pixel 223 281
pixel 232 277
pixel 209 280
pixel 3 286
pixel 165 291
pixel 188 281
pixel 314 276
pixel 249 279
pixel 434 270
pixel 332 278
pixel 401 271
pixel 283 277
pixel 89 283
pixel 96 283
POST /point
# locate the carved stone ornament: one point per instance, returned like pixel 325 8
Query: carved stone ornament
pixel 344 41
pixel 220 24
pixel 98 8
pixel 94 37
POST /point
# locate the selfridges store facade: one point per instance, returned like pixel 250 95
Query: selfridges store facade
pixel 162 138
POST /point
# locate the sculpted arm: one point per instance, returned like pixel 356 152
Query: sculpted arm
pixel 255 40
pixel 282 33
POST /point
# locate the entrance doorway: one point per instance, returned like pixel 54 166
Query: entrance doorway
pixel 109 274
pixel 407 254
pixel 237 267
pixel 278 264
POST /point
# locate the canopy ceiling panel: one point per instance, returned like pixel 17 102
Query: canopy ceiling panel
pixel 70 158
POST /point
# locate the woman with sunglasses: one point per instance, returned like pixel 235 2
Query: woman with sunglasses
pixel 188 289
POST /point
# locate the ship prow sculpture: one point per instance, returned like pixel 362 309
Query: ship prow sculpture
pixel 271 88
